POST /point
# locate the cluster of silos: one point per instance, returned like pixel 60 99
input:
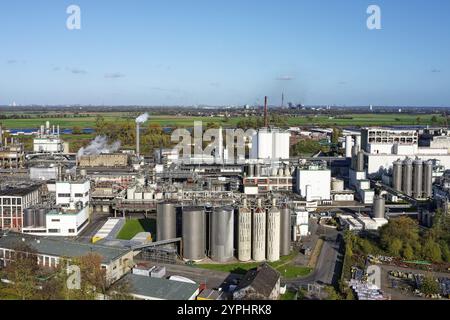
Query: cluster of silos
pixel 263 234
pixel 357 155
pixel 413 178
pixel 34 218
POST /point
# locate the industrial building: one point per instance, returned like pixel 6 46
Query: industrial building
pixel 50 252
pixel 104 160
pixel 261 283
pixel 314 181
pixel 48 140
pixel 13 202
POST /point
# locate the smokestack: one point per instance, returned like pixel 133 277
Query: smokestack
pixel 282 100
pixel 57 128
pixel 266 120
pixel 1 134
pixel 138 149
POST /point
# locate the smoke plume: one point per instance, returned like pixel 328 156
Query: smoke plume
pixel 142 118
pixel 99 145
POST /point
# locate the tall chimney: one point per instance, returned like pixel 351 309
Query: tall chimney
pixel 138 149
pixel 1 134
pixel 266 120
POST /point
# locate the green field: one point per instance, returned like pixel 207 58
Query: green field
pixel 88 121
pixel 285 266
pixel 133 226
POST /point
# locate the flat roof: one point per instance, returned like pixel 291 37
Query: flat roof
pixel 18 191
pixel 60 247
pixel 158 288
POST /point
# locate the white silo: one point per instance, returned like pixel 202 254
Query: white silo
pixel 273 233
pixel 259 233
pixel 244 233
pixel 348 146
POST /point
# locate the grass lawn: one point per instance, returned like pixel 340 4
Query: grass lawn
pixel 133 226
pixel 284 266
pixel 289 295
pixel 88 121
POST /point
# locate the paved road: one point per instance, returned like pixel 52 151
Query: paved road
pixel 97 221
pixel 329 263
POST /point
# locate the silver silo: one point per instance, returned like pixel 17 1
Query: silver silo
pixel 251 170
pixel 257 170
pixel 285 231
pixel 28 218
pixel 166 221
pixel 397 175
pixel 418 181
pixel 244 233
pixel 40 218
pixel 360 161
pixel 428 179
pixel 221 234
pixel 407 177
pixel 194 233
pixel 379 207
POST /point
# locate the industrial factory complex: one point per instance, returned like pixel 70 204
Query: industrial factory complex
pixel 266 209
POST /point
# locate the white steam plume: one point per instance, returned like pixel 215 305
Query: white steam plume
pixel 99 145
pixel 142 118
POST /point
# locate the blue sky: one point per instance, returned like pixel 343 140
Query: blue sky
pixel 179 52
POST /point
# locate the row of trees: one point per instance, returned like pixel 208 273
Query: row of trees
pixel 30 281
pixel 152 137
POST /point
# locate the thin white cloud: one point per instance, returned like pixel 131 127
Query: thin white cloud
pixel 114 75
pixel 285 78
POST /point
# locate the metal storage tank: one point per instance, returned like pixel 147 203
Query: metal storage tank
pixel 379 207
pixel 28 218
pixel 428 179
pixel 39 218
pixel 244 233
pixel 397 175
pixel 360 161
pixel 348 146
pixel 194 233
pixel 418 179
pixel 358 142
pixel 407 177
pixel 251 170
pixel 259 233
pixel 221 234
pixel 273 233
pixel 285 231
pixel 257 170
pixel 166 221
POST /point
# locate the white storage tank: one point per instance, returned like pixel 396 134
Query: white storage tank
pixel 337 184
pixel 259 233
pixel 221 234
pixel 273 233
pixel 244 233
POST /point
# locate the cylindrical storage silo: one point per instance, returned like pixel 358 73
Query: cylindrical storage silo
pixel 28 218
pixel 418 179
pixel 257 170
pixel 244 234
pixel 379 207
pixel 348 146
pixel 259 234
pixel 285 231
pixel 397 174
pixel 273 234
pixel 41 214
pixel 428 179
pixel 166 221
pixel 251 171
pixel 407 177
pixel 221 234
pixel 360 162
pixel 358 142
pixel 194 233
